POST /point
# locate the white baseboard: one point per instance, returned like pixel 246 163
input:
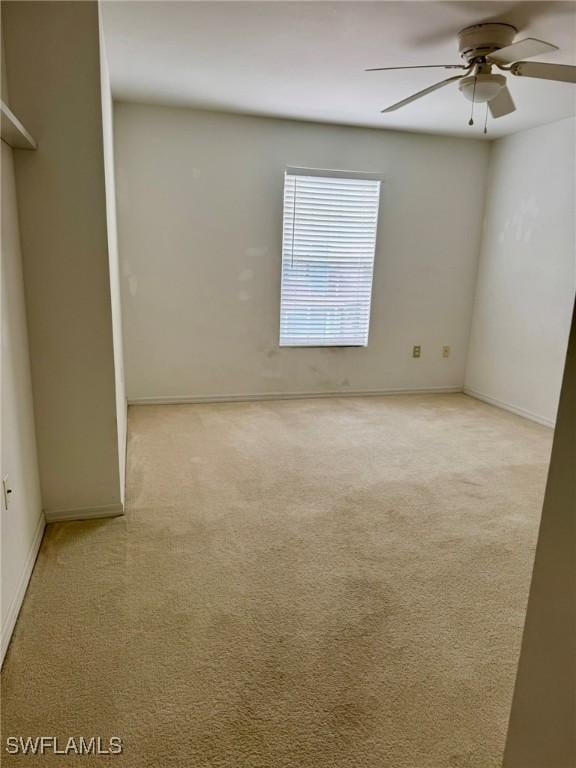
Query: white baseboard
pixel 244 398
pixel 14 609
pixel 84 513
pixel 509 407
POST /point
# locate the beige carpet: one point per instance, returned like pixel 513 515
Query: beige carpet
pixel 335 583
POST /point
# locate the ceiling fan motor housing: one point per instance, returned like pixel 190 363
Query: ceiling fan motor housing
pixel 481 39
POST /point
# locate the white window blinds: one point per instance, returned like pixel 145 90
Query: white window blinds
pixel 328 245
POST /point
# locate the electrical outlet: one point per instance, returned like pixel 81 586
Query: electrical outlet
pixel 416 350
pixel 446 351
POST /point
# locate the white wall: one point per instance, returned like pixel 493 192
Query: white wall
pixel 53 59
pixel 541 731
pixel 199 212
pixel 527 272
pixel 22 521
pixel 114 266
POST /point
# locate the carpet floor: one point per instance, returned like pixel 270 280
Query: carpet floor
pixel 332 583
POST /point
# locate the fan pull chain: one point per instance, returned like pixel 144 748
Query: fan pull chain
pixel 471 121
pixel 486 119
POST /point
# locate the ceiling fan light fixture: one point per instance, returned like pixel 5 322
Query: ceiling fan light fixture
pixel 481 88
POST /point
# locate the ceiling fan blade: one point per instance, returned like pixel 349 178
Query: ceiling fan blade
pixel 419 95
pixel 564 73
pixel 502 104
pixel 420 66
pixel 523 49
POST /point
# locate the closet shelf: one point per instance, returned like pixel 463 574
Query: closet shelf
pixel 13 132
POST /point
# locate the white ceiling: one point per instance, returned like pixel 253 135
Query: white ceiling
pixel 305 60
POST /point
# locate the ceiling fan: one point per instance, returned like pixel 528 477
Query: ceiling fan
pixel 484 46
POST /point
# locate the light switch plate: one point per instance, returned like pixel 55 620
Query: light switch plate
pixel 416 350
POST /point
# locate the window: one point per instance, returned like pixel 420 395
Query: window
pixel 328 244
